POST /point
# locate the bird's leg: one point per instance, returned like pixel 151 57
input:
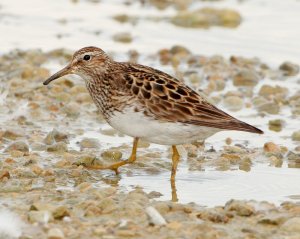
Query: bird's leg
pixel 175 160
pixel 115 166
pixel 174 191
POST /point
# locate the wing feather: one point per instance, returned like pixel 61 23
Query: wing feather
pixel 168 99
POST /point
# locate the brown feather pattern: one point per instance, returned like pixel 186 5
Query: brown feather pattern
pixel 167 99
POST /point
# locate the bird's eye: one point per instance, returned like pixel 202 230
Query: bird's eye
pixel 86 57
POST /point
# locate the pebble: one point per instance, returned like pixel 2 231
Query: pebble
pixel 296 136
pixel 62 163
pixel 267 91
pixel 155 217
pixel 111 155
pixel 84 186
pixel 36 146
pixel 58 147
pixel 289 68
pixel 174 226
pixel 109 132
pixel 55 233
pixel 228 141
pixel 99 231
pixel 232 158
pixel 40 206
pixel 207 17
pixel 276 125
pixel 81 98
pixel 195 78
pixel 76 89
pixel 245 165
pixel 292 225
pixel 296 111
pixel 36 169
pixel 274 218
pixel 215 215
pixel 241 208
pixel 133 56
pixel 246 77
pixel 214 85
pixel 269 107
pixel 154 194
pixel 293 156
pixel 192 150
pixel 88 160
pixel 178 4
pixel 4 174
pixel 60 212
pixel 10 134
pixel 259 100
pixel 180 51
pixel 123 18
pixel 27 73
pixel 55 136
pixel 89 143
pixel 234 149
pixel 72 109
pixel 143 144
pixel 107 205
pixel 18 146
pixel 126 233
pixel 124 37
pixel 275 161
pixel 233 103
pixel 39 216
pixel 270 147
pixel 17 153
pixel 63 97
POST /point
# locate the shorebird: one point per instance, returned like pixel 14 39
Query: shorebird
pixel 147 104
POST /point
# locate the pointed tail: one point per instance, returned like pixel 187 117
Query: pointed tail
pixel 242 126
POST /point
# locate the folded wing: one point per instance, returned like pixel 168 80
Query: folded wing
pixel 170 100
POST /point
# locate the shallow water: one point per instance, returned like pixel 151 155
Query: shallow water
pixel 270 31
pixel 212 187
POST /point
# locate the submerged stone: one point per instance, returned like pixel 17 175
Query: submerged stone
pixel 207 17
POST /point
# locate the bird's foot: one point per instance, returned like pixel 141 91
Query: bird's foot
pixel 114 167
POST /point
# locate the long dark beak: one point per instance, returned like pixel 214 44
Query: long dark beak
pixel 65 71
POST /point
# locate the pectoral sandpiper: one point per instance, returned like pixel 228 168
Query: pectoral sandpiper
pixel 147 104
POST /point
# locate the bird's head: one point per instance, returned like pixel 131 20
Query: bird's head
pixel 86 62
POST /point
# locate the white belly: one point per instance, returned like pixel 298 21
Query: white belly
pixel 136 124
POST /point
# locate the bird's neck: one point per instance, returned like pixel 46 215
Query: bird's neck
pixel 106 88
pixel 100 94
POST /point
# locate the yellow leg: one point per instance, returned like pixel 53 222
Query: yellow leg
pixel 175 160
pixel 115 166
